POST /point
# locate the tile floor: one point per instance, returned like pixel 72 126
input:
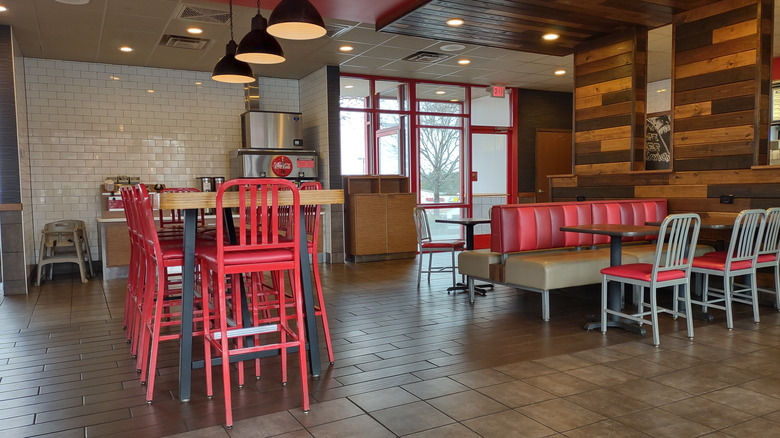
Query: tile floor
pixel 408 363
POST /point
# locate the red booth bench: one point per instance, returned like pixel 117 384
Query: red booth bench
pixel 528 250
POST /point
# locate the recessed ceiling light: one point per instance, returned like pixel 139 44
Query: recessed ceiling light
pixel 454 22
pixel 453 100
pixel 150 91
pixel 126 49
pixel 73 2
pixel 195 30
pixel 116 78
pixel 441 92
pixel 452 47
pixel 464 61
pixel 560 72
pixel 199 83
pixel 349 86
pixel 550 36
pixel 661 90
pixel 3 9
pixel 346 48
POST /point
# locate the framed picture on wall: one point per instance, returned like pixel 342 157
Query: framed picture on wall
pixel 658 135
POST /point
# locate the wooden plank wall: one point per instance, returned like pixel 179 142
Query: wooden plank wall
pixel 609 103
pixel 721 108
pixel 721 67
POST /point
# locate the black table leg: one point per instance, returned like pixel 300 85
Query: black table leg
pixel 613 293
pixel 310 320
pixel 187 305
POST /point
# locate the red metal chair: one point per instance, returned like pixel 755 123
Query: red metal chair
pixel 311 214
pixel 160 313
pixel 426 245
pixel 259 248
pixel 174 219
pixel 738 260
pixel 671 267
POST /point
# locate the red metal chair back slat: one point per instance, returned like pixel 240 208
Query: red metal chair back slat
pixel 175 218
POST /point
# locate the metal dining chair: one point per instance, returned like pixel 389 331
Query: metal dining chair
pixel 427 245
pixel 738 260
pixel 671 266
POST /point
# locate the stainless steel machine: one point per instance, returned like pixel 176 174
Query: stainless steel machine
pixel 272 146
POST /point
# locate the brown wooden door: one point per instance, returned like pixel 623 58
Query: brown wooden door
pixel 553 157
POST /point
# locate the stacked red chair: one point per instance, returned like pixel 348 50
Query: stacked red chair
pixel 260 247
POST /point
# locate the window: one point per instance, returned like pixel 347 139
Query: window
pixel 441 143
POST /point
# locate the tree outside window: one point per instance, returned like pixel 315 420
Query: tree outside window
pixel 440 145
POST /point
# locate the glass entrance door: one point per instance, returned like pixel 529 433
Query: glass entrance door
pixel 489 174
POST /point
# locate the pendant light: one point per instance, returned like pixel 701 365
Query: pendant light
pixel 296 20
pixel 258 46
pixel 229 69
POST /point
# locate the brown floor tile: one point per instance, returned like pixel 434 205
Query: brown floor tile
pixel 411 418
pixel 362 426
pixel 757 428
pixel 608 402
pixel 327 412
pixel 706 412
pixel 689 381
pixel 482 378
pixel 605 429
pixel 561 384
pixel 382 399
pixel 564 362
pixel 521 370
pixel 662 424
pixel 745 400
pixel 455 430
pixel 601 375
pixel 265 425
pixel 639 367
pixel 600 355
pixel 515 394
pixel 466 405
pixel 508 424
pixel 652 393
pixel 560 415
pixel 435 388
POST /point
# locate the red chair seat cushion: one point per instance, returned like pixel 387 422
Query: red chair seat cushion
pixel 456 244
pixel 766 258
pixel 209 253
pixel 716 263
pixel 642 271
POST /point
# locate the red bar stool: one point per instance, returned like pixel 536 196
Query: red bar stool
pixel 738 260
pixel 160 314
pixel 311 214
pixel 259 248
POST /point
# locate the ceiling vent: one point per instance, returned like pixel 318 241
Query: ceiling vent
pixel 184 42
pixel 429 57
pixel 334 30
pixel 203 15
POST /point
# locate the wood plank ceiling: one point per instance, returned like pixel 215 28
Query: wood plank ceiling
pixel 520 24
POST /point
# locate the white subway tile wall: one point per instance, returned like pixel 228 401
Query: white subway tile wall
pixel 481 206
pixel 90 121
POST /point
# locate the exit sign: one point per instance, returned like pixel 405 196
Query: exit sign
pixel 497 90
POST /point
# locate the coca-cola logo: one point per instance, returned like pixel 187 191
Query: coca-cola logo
pixel 281 166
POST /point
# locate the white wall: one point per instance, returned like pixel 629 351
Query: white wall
pixel 90 121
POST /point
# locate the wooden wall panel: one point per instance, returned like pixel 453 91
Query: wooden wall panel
pixel 719 65
pixel 609 102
